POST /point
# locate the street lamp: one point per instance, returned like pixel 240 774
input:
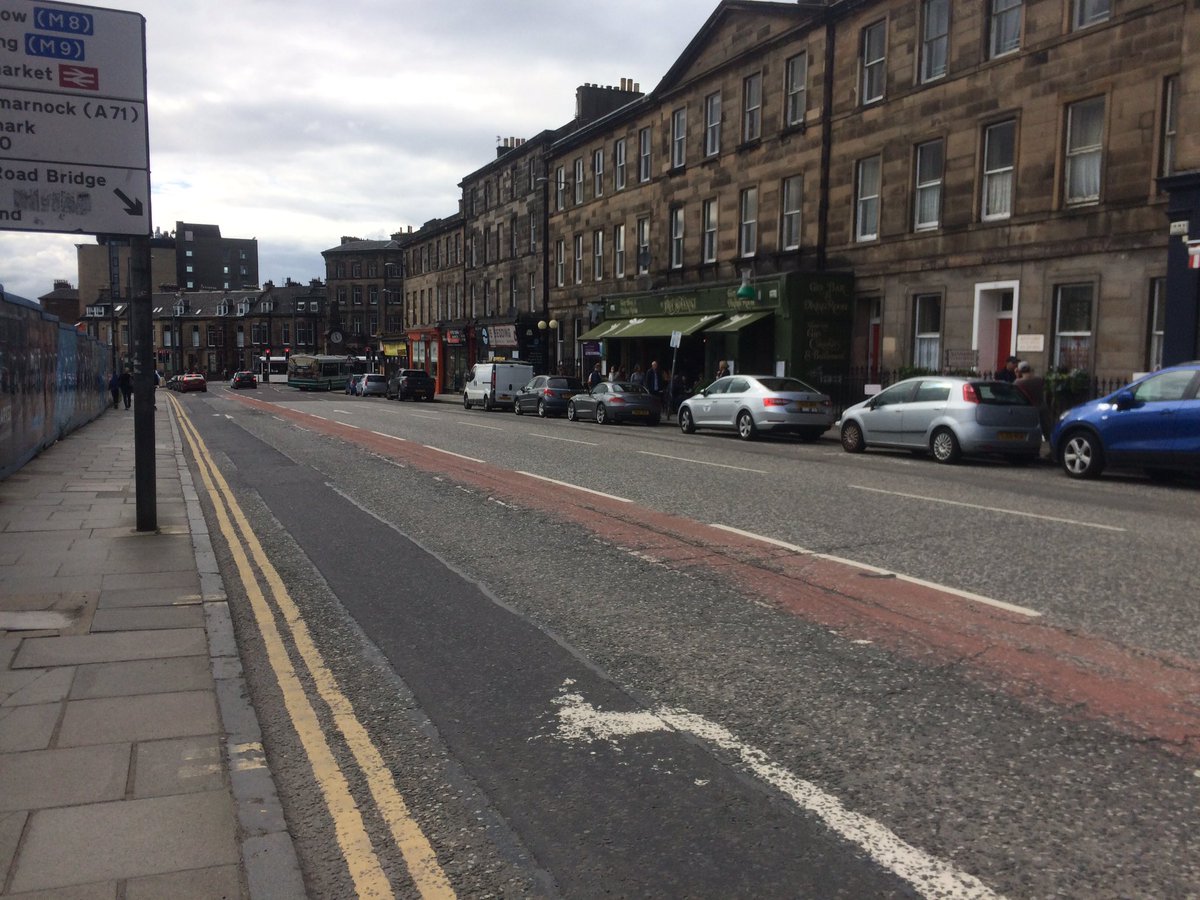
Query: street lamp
pixel 552 327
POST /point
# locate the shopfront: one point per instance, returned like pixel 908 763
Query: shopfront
pixel 456 360
pixel 794 324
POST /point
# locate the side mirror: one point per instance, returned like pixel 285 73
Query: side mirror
pixel 1123 400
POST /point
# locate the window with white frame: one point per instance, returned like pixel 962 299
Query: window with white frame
pixel 709 238
pixel 927 331
pixel 1085 129
pixel 512 237
pixel 677 237
pixel 1073 326
pixel 643 246
pixel 1089 12
pixel 927 202
pixel 1004 27
pixel 874 61
pixel 679 138
pixel 598 254
pixel 935 38
pixel 999 157
pixel 578 181
pixel 619 164
pixel 598 172
pixel 866 218
pixel 748 222
pixel 796 88
pixel 514 294
pixel 560 264
pixel 533 232
pixel 560 188
pixel 578 260
pixel 644 154
pixel 1158 315
pixel 1170 124
pixel 792 194
pixel 533 292
pixel 619 251
pixel 712 124
pixel 752 107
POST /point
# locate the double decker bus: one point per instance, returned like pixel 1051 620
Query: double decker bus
pixel 316 372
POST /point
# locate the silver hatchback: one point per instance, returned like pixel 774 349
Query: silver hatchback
pixel 373 386
pixel 753 404
pixel 946 417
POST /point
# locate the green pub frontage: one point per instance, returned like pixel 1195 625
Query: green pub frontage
pixel 796 324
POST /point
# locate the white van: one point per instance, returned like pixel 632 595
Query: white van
pixel 495 384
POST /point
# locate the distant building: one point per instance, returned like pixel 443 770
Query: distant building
pixel 63 302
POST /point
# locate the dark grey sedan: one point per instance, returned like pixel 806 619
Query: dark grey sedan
pixel 547 395
pixel 614 402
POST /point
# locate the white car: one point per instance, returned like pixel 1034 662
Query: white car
pixel 752 404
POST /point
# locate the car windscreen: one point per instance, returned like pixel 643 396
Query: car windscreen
pixel 376 379
pixel 793 385
pixel 1000 393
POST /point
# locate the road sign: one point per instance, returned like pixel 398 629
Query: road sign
pixel 74 143
pixel 676 339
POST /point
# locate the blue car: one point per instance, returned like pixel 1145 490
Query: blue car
pixel 1151 424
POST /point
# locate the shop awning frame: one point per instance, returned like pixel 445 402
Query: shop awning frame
pixel 649 326
pixel 738 321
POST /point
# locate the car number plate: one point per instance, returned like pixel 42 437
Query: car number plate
pixel 805 406
pixel 1012 435
pixel 641 412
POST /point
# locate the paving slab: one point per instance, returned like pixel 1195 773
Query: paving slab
pixel 143 676
pixel 175 596
pixel 139 618
pixel 221 883
pixel 11 826
pixel 180 766
pixel 47 778
pixel 28 687
pixel 93 648
pixel 80 845
pixel 106 890
pixel 142 717
pixel 28 727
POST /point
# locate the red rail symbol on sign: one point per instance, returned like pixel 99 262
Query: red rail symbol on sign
pixel 80 77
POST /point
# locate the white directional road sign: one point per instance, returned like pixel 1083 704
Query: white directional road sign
pixel 74 143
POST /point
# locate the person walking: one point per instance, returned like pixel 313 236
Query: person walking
pixel 594 378
pixel 637 376
pixel 126 382
pixel 114 388
pixel 1034 388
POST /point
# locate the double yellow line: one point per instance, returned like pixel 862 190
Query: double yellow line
pixel 361 859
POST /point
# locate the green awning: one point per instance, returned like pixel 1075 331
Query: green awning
pixel 655 326
pixel 737 322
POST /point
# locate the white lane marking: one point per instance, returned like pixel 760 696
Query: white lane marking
pixel 551 437
pixel 452 453
pixel 423 416
pixel 575 487
pixel 966 595
pixel 344 412
pixel 345 424
pixel 392 436
pixel 477 425
pixel 579 721
pixel 315 416
pixel 701 462
pixel 995 509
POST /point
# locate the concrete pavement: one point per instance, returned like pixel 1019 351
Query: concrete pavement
pixel 131 764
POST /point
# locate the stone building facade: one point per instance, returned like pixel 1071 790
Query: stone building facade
pixel 364 281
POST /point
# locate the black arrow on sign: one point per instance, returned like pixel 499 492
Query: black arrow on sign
pixel 132 207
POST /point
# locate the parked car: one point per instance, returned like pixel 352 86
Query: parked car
pixel 1152 424
pixel 193 381
pixel 411 384
pixel 615 402
pixel 373 385
pixel 493 384
pixel 946 417
pixel 352 384
pixel 243 380
pixel 754 404
pixel 547 395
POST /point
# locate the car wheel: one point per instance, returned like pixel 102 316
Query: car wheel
pixel 572 415
pixel 745 426
pixel 542 409
pixel 601 414
pixel 466 402
pixel 487 402
pixel 944 446
pixel 517 407
pixel 852 438
pixel 1082 455
pixel 686 424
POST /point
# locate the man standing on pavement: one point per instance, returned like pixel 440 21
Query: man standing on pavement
pixel 654 380
pixel 127 387
pixel 1034 389
pixel 1009 372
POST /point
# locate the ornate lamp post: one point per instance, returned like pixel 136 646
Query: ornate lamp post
pixel 549 332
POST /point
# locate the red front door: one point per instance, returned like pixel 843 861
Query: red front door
pixel 1003 342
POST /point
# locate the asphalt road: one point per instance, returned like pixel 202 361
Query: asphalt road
pixel 598 693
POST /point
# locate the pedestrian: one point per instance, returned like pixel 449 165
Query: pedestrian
pixel 114 388
pixel 615 373
pixel 594 378
pixel 653 381
pixel 637 376
pixel 1034 388
pixel 722 368
pixel 677 391
pixel 126 382
pixel 1009 372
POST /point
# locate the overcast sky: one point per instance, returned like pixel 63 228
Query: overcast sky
pixel 298 121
